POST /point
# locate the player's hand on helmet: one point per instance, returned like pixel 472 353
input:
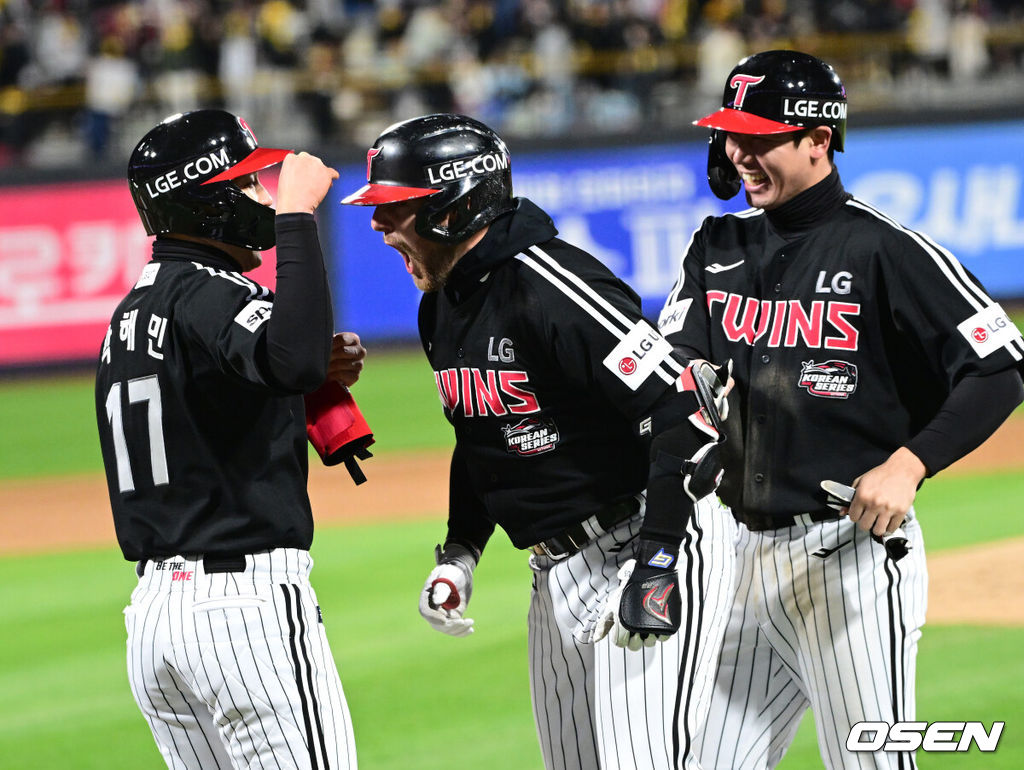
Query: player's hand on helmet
pixel 303 183
pixel 347 355
pixel 446 593
pixel 646 606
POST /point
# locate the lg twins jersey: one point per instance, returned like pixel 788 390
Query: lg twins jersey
pixel 545 367
pixel 846 337
pixel 203 453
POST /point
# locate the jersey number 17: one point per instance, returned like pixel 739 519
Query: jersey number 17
pixel 143 390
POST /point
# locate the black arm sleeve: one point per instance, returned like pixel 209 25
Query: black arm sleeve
pixel 299 332
pixel 673 441
pixel 976 406
pixel 468 524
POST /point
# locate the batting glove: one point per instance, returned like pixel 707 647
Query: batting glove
pixel 446 593
pixel 645 607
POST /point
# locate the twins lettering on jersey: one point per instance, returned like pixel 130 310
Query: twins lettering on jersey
pixel 788 323
pixel 484 392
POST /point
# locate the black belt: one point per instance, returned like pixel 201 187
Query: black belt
pixel 578 535
pixel 762 523
pixel 211 564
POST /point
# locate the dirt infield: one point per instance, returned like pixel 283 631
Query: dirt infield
pixel 978 584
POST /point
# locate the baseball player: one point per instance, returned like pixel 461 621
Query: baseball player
pixel 566 404
pixel 865 355
pixel 199 399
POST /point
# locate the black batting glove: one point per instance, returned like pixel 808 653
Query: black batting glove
pixel 646 606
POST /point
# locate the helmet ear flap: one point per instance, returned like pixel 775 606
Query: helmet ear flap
pixel 722 176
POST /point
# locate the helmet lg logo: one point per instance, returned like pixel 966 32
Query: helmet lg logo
pixel 741 83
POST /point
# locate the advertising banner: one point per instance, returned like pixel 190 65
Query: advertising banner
pixel 69 252
pixel 635 209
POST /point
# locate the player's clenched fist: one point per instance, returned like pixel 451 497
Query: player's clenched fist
pixel 446 593
pixel 347 355
pixel 303 183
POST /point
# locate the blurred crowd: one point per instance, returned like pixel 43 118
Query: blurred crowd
pixel 81 79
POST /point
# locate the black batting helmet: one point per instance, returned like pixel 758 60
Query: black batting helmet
pixel 773 92
pixel 180 175
pixel 457 163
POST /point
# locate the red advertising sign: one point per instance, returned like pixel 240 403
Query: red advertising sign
pixel 68 254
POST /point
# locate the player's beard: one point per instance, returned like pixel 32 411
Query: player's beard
pixel 432 261
pixel 436 270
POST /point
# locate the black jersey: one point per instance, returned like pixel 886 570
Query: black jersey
pixel 545 368
pixel 847 335
pixel 204 447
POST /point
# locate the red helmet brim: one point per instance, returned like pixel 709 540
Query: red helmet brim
pixel 739 122
pixel 257 160
pixel 376 194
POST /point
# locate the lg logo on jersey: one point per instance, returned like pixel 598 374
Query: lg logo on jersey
pixel 840 284
pixel 911 736
pixel 988 330
pixel 505 353
pixel 638 354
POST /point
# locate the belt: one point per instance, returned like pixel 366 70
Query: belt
pixel 574 538
pixel 211 564
pixel 761 523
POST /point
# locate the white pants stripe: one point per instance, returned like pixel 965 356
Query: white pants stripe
pixel 233 670
pixel 821 619
pixel 599 707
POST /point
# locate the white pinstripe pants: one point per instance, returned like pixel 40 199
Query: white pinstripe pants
pixel 600 707
pixel 837 632
pixel 233 670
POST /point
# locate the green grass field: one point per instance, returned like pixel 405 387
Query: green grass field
pixel 420 700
